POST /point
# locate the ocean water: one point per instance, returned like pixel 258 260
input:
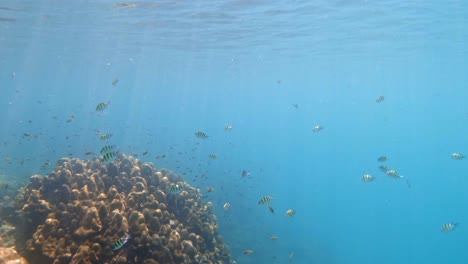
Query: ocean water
pixel 188 66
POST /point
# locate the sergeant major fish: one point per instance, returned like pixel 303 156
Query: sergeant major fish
pixel 121 242
pixel 448 227
pixel 101 106
pixel 175 189
pixel 265 200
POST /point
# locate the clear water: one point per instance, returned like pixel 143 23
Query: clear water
pixel 187 66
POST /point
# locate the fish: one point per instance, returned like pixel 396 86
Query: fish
pixel 248 252
pixel 457 156
pixel 265 200
pixel 367 178
pixel 89 153
pixel 212 156
pixel 175 189
pixel 274 238
pixel 291 256
pixel 380 99
pixel 245 173
pixel 109 156
pixel 382 159
pixel 226 206
pixel 115 81
pixel 144 153
pixel 296 106
pixel 271 209
pixel 290 213
pixel 317 128
pixel 448 227
pixel 209 189
pixel 383 168
pixel 228 128
pixel 107 149
pixel 201 135
pixel 121 242
pixel 105 136
pixel 101 106
pixel 4 185
pixel 394 174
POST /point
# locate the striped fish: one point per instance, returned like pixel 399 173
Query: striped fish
pixel 265 200
pixel 367 178
pixel 201 135
pixel 105 136
pixel 448 227
pixel 109 156
pixel 102 106
pixel 121 242
pixel 107 149
pixel 176 189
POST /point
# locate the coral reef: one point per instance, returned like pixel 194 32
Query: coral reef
pixel 77 213
pixel 10 256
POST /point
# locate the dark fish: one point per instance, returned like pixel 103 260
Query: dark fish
pixel 121 242
pixel 380 99
pixel 382 159
pixel 245 173
pixel 201 135
pixel 115 81
pixel 271 209
pixel 27 135
pixel 383 168
pixel 296 106
pixel 101 106
pixel 144 153
pixel 89 153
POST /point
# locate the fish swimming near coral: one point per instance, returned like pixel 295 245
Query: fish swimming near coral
pixel 448 227
pixel 201 135
pixel 265 200
pixel 107 148
pixel 109 156
pixel 101 106
pixel 175 189
pixel 121 242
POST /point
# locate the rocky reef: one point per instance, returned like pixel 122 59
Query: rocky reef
pixel 78 212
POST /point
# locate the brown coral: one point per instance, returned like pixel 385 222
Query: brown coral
pixel 82 208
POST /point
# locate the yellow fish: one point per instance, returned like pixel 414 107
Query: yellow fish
pixel 290 213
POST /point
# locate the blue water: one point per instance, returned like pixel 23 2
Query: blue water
pixel 188 66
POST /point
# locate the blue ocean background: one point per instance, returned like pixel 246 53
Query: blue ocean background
pixel 188 66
